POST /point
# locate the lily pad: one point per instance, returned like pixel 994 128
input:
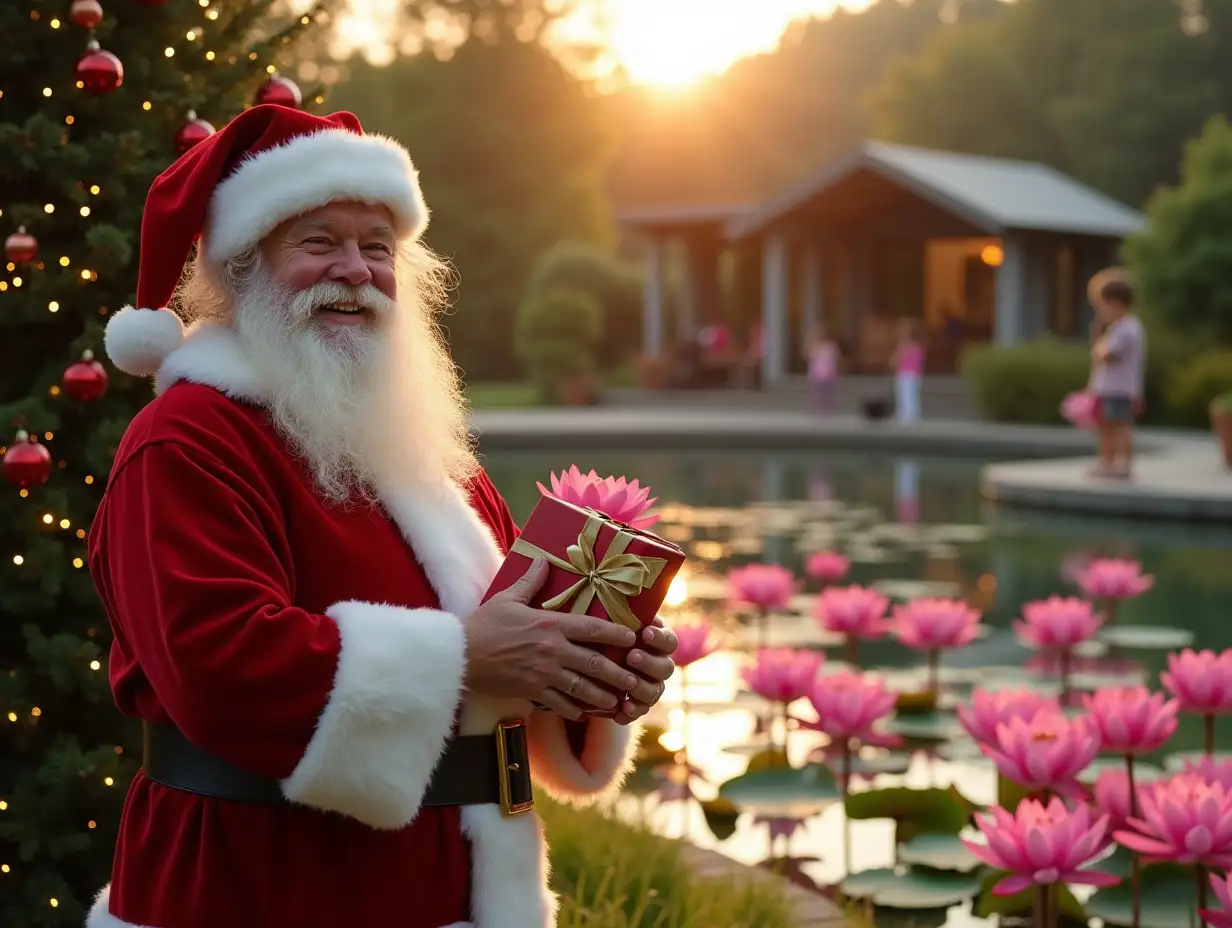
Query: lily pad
pixel 914 811
pixel 873 764
pixel 1023 903
pixel 911 888
pixel 721 816
pixel 1091 681
pixel 785 792
pixel 961 749
pixel 1169 899
pixel 1147 637
pixel 941 852
pixel 1175 763
pixel 926 726
pixel 1143 772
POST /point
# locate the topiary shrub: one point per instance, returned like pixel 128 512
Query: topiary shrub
pixel 1025 383
pixel 1193 387
pixel 555 336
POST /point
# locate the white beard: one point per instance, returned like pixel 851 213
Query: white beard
pixel 362 406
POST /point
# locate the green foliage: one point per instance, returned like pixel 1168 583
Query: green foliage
pixel 915 811
pixel 68 754
pixel 612 874
pixel 1181 258
pixel 1027 382
pixel 511 150
pixel 1193 387
pixel 556 336
pixel 614 284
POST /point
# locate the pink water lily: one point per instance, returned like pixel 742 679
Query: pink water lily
pixel 854 611
pixel 1221 917
pixel 928 624
pixel 1057 622
pixel 766 586
pixel 1210 770
pixel 1110 796
pixel 1184 819
pixel 694 641
pixel 1114 578
pixel 827 566
pixel 782 675
pixel 1048 752
pixel 990 708
pixel 616 498
pixel 1131 719
pixel 1041 845
pixel 1201 681
pixel 849 705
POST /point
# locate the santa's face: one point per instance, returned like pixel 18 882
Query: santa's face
pixel 341 243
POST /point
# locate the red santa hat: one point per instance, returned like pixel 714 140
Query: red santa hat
pixel 267 165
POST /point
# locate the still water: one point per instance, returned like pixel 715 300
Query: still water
pixel 911 526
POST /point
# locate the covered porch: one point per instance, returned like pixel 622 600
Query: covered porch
pixel 974 249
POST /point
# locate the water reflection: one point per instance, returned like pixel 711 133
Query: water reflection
pixel 911 527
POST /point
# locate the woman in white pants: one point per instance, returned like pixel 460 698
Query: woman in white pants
pixel 908 364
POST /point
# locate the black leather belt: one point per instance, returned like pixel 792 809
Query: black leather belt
pixel 473 770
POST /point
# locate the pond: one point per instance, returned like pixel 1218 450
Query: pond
pixel 911 527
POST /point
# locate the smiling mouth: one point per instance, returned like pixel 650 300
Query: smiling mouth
pixel 347 309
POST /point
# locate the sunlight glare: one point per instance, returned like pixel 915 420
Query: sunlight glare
pixel 678 591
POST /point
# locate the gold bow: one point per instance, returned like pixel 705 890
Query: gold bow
pixel 613 579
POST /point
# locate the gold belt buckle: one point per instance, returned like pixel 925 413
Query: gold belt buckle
pixel 514 730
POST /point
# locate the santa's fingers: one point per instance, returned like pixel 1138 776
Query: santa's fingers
pixel 552 700
pixel 594 666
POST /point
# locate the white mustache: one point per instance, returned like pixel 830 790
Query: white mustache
pixel 304 303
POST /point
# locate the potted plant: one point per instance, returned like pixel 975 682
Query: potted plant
pixel 556 334
pixel 1221 425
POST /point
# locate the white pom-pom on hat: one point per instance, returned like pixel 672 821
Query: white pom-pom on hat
pixel 137 341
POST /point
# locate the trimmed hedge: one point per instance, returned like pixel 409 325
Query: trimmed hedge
pixel 1025 383
pixel 1193 387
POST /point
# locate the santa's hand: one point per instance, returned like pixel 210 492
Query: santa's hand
pixel 653 665
pixel 550 658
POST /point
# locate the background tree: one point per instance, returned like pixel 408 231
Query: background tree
pixel 78 160
pixel 511 150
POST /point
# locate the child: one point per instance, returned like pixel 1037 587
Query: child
pixel 823 358
pixel 908 364
pixel 1117 360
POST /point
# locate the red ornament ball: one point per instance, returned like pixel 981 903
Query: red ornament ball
pixel 98 71
pixel 280 90
pixel 21 246
pixel 86 380
pixel 86 13
pixel 27 463
pixel 194 131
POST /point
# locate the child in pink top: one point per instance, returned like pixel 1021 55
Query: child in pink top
pixel 908 365
pixel 823 358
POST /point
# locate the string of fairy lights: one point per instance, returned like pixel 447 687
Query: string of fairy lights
pixel 26 461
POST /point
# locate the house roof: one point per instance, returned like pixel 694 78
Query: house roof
pixel 996 194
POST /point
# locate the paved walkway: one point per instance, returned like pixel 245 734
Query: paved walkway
pixel 1178 474
pixel 812 910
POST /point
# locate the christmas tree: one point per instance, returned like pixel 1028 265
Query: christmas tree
pixel 97 97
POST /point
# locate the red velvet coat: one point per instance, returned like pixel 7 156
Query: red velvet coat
pixel 318 645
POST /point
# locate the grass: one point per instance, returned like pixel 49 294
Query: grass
pixel 610 874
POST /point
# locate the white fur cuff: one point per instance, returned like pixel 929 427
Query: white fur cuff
pixel 137 340
pixel 395 694
pixel 606 760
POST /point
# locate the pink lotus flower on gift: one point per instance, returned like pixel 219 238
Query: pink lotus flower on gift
pixel 1110 797
pixel 766 586
pixel 1057 623
pixel 848 706
pixel 694 641
pixel 1114 578
pixel 613 496
pixel 989 709
pixel 782 675
pixel 1221 917
pixel 1185 820
pixel 927 624
pixel 1081 409
pixel 1131 719
pixel 1209 770
pixel 854 611
pixel 1049 751
pixel 827 566
pixel 1201 681
pixel 1041 845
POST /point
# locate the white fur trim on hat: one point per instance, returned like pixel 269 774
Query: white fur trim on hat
pixel 306 173
pixel 137 340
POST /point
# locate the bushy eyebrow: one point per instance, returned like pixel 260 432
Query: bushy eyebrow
pixel 380 231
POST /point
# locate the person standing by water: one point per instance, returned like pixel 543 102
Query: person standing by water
pixel 908 365
pixel 823 359
pixel 1117 361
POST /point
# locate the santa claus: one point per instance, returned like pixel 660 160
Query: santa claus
pixel 292 549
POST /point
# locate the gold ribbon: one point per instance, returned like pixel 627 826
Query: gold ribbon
pixel 613 579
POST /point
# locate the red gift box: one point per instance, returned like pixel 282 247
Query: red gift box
pixel 597 567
